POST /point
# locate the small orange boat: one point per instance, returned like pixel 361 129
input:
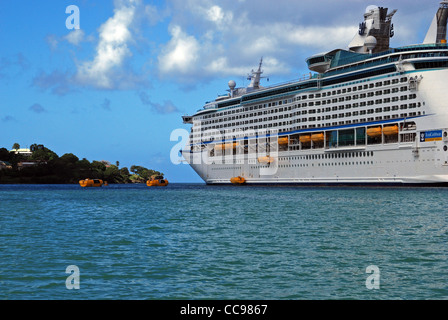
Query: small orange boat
pixel 238 180
pixel 92 183
pixel 157 181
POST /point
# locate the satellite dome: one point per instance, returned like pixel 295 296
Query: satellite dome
pixel 232 84
pixel 370 43
pixel 370 8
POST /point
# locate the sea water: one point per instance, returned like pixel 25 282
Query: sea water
pixel 229 242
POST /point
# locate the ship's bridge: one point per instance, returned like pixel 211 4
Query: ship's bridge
pixel 321 62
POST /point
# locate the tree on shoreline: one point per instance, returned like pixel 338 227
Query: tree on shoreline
pixel 50 168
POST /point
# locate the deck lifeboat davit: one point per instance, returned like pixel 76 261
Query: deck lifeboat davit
pixel 157 181
pixel 86 183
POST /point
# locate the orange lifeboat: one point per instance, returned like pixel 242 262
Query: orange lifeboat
pixel 238 180
pixel 266 159
pixel 87 183
pixel 283 140
pixel 317 137
pixel 226 146
pixel 374 132
pixel 390 130
pixel 305 138
pixel 157 181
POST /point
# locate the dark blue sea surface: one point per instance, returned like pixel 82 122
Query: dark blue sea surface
pixel 205 242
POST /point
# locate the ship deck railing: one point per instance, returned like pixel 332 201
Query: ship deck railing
pixel 358 58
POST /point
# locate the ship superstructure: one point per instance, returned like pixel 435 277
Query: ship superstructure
pixel 369 114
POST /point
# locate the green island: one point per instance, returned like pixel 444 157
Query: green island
pixel 40 165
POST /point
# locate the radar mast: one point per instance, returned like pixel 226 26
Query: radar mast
pixel 255 77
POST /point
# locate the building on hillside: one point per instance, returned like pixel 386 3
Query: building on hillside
pixel 23 151
pixel 27 164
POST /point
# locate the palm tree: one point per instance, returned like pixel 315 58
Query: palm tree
pixel 16 146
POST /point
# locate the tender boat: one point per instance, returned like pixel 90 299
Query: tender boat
pixel 92 183
pixel 157 181
pixel 238 180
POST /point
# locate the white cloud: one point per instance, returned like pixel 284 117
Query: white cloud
pixel 75 37
pixel 210 40
pixel 52 41
pixel 111 66
pixel 180 54
pixel 217 15
pixel 321 37
pixel 221 66
pixel 227 41
pixel 112 48
pixel 274 65
pixel 154 15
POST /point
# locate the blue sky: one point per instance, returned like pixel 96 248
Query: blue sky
pixel 116 88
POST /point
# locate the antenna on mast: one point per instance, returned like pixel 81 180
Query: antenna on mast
pixel 255 77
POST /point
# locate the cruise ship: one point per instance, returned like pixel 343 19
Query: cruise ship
pixel 366 115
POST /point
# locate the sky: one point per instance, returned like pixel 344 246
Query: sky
pixel 113 85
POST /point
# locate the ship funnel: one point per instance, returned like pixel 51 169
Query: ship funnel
pixel 437 30
pixel 377 25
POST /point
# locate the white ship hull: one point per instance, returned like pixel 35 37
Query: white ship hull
pixel 386 166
